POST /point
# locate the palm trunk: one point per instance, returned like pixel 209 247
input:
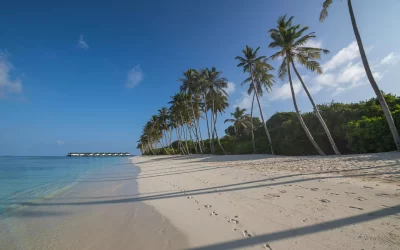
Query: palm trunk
pixel 169 140
pixel 316 112
pixel 151 149
pixel 212 130
pixel 189 129
pixel 371 79
pixel 195 129
pixel 261 113
pixel 303 124
pixel 215 130
pixel 252 125
pixel 208 127
pixel 236 132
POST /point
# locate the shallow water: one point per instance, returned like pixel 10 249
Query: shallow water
pixel 78 203
pixel 24 179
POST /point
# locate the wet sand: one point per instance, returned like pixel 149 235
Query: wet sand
pixel 99 212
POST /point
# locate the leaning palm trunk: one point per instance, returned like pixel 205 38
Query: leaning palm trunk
pixel 195 129
pixel 180 144
pixel 151 149
pixel 208 127
pixel 303 124
pixel 189 129
pixel 252 125
pixel 261 113
pixel 186 139
pixel 316 112
pixel 371 79
pixel 212 130
pixel 169 140
pixel 215 130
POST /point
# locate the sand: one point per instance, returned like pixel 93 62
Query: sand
pixel 100 212
pixel 264 202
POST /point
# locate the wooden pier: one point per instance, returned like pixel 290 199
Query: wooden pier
pixel 76 154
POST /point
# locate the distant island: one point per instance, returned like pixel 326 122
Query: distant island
pixel 75 154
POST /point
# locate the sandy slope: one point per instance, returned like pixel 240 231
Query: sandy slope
pixel 246 202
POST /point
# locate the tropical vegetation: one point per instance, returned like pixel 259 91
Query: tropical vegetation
pixel 331 128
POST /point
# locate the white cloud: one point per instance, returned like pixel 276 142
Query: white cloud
pixel 7 84
pixel 135 76
pixel 313 44
pixel 82 44
pixel 390 59
pixel 345 55
pixel 244 101
pixel 325 80
pixel 283 92
pixel 351 73
pixel 230 88
pixel 60 142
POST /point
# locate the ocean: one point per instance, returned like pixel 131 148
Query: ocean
pixel 28 179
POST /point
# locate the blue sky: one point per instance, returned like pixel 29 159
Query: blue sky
pixel 81 76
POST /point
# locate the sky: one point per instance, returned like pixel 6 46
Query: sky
pixel 79 76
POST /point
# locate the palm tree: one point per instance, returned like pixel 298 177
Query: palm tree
pixel 177 109
pixel 248 62
pixel 370 76
pixel 263 80
pixel 163 119
pixel 290 40
pixel 213 85
pixel 218 105
pixel 192 88
pixel 285 39
pixel 240 120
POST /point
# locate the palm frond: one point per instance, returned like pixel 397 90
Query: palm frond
pixel 324 11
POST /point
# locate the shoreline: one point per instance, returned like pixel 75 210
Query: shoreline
pixel 238 202
pixel 98 212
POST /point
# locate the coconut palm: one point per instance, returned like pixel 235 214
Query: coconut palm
pixel 324 13
pixel 285 38
pixel 213 84
pixel 190 85
pixel 240 120
pixel 263 80
pixel 177 109
pixel 163 119
pixel 290 41
pixel 218 105
pixel 248 62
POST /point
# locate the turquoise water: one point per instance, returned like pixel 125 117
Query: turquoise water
pixel 25 179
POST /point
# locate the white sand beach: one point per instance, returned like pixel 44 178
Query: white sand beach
pixel 275 202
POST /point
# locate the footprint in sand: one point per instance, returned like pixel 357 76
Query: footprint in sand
pixel 359 208
pixel 270 196
pixel 298 196
pixel 196 201
pixel 333 193
pixel 283 191
pixel 213 213
pixel 233 221
pixel 190 197
pixel 367 187
pixel 207 206
pixel 324 200
pixel 361 199
pixel 267 246
pixel 349 193
pixel 246 234
pixel 314 189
